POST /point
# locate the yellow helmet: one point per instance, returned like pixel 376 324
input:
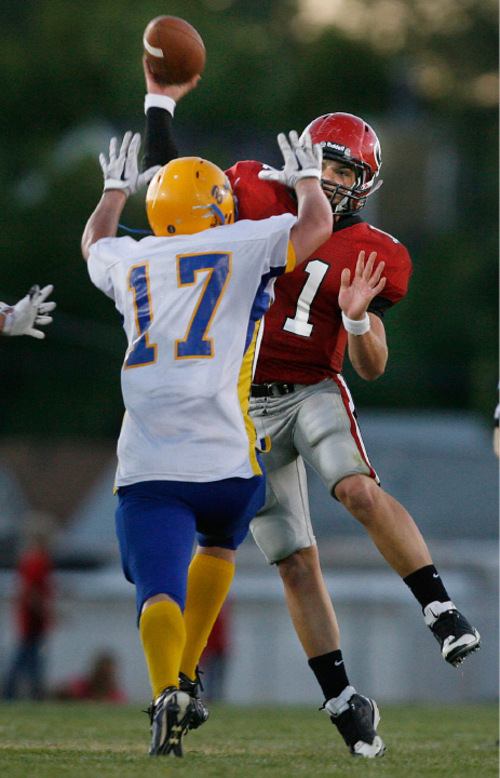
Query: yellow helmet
pixel 189 195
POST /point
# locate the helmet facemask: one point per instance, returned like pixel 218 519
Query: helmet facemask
pixel 353 198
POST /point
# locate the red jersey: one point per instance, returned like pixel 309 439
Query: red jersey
pixel 304 340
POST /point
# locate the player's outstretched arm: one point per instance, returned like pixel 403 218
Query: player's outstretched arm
pixel 315 221
pixel 302 172
pixel 161 99
pixel 121 179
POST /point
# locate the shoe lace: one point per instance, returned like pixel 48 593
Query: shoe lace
pixel 150 711
pixel 197 681
pixel 192 687
pixel 151 707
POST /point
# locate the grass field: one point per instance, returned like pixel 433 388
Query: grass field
pixel 45 740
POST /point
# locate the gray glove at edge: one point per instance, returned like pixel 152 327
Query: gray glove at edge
pixel 121 170
pixel 302 160
pixel 30 310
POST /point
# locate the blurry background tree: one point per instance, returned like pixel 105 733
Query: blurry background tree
pixel 423 72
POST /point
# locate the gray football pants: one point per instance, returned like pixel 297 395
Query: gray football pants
pixel 314 423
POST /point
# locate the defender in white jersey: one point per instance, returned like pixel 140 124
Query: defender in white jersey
pixel 187 373
pixel 191 299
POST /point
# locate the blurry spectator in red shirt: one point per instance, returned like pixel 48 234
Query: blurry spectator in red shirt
pixel 100 683
pixel 34 619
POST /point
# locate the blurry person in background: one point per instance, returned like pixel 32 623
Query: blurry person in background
pixel 100 682
pixel 27 314
pixel 34 617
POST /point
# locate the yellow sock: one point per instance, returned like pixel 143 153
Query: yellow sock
pixel 209 580
pixel 163 636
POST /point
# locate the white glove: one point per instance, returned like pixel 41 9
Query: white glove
pixel 302 160
pixel 121 171
pixel 30 310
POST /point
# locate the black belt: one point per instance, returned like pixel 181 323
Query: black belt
pixel 274 389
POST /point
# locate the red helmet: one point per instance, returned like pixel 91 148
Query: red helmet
pixel 349 139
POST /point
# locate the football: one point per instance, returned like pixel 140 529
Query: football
pixel 174 49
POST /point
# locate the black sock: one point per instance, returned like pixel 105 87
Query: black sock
pixel 330 673
pixel 427 586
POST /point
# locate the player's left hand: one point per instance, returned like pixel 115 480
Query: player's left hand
pixel 29 311
pixel 121 169
pixel 367 283
pixel 302 160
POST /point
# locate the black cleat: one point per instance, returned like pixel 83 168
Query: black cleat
pixel 199 711
pixel 357 718
pixel 169 715
pixel 453 632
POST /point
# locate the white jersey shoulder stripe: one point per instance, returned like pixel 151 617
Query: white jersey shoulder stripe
pixel 376 229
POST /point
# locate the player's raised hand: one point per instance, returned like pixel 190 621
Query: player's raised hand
pixel 121 167
pixel 175 91
pixel 367 282
pixel 301 158
pixel 29 311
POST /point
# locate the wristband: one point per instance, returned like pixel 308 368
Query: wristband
pixel 152 100
pixel 356 327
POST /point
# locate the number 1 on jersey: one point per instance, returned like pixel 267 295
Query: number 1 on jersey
pixel 141 352
pixel 300 324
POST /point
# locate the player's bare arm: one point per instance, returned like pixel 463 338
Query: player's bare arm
pixel 103 222
pixel 315 220
pixel 302 171
pixel 121 179
pixel 367 350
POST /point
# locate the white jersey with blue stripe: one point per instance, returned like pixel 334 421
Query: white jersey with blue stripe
pixel 190 306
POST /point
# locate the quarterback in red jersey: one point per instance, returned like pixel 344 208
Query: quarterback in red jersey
pixel 303 306
pixel 301 402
